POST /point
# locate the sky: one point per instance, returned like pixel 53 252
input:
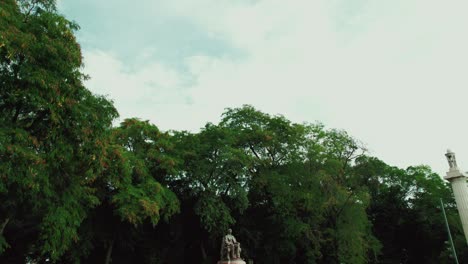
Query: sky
pixel 392 73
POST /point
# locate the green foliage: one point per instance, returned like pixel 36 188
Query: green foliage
pixel 214 172
pixel 50 128
pixel 60 225
pixel 405 211
pixel 214 214
pixel 146 200
pixel 135 157
pixel 3 244
pixel 137 195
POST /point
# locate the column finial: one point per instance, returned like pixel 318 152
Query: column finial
pixel 450 155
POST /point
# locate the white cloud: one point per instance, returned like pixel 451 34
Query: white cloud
pixel 392 73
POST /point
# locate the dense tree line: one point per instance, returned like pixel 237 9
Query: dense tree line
pixel 75 189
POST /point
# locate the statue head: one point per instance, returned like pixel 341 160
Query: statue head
pixel 229 231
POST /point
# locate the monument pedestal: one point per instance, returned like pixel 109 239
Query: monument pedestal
pixel 234 261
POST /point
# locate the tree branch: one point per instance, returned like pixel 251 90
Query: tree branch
pixel 109 252
pixel 344 205
pixel 254 152
pixel 4 225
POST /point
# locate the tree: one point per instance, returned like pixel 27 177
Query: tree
pixel 50 130
pixel 302 192
pixel 406 214
pixel 136 158
pixel 211 187
pixel 61 163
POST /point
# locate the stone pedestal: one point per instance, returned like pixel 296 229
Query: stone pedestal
pixel 460 191
pixel 234 261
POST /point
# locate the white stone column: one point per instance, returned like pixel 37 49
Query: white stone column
pixel 460 190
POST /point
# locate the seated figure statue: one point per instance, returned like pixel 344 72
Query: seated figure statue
pixel 230 248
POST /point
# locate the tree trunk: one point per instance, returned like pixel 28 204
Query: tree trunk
pixel 4 225
pixel 203 251
pixel 109 252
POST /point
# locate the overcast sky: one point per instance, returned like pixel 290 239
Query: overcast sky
pixel 392 73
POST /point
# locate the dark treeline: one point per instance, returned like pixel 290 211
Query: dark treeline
pixel 75 189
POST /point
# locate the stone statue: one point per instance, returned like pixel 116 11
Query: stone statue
pixel 451 159
pixel 230 248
